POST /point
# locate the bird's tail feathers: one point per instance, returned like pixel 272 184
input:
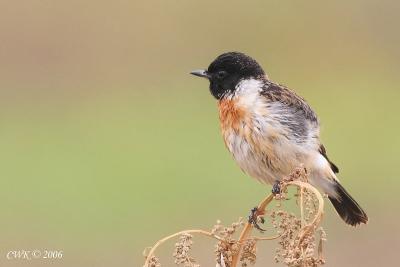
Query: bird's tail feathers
pixel 347 208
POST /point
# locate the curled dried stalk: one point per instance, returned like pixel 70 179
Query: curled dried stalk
pixel 230 251
pixel 150 254
pixel 318 217
pixel 261 210
pixel 249 226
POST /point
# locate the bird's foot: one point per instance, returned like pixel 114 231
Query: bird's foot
pixel 256 217
pixel 276 188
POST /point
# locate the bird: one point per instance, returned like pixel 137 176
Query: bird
pixel 270 130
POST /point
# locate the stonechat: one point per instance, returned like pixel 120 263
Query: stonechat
pixel 270 130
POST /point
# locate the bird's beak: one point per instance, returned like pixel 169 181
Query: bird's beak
pixel 200 73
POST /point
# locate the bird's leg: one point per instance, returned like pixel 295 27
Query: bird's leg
pixel 253 218
pixel 276 188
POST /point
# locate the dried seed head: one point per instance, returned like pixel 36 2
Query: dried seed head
pixel 228 247
pixel 181 253
pixel 297 242
pixel 248 255
pixel 154 262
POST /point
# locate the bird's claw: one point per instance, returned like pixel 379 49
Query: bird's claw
pixel 254 217
pixel 276 188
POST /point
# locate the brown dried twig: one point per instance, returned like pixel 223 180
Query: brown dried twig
pixel 249 226
pixel 297 236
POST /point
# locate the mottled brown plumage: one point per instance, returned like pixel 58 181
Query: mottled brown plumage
pixel 280 93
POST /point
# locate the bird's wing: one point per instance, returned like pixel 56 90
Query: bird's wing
pixel 297 114
pixel 322 150
pixel 295 103
pixel 292 112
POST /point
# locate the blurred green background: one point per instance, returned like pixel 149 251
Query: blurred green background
pixel 108 144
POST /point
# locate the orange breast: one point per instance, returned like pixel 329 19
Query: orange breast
pixel 230 115
pixel 237 129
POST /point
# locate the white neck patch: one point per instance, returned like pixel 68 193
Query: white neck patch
pixel 248 86
pixel 248 92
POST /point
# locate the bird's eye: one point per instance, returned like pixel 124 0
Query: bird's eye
pixel 221 74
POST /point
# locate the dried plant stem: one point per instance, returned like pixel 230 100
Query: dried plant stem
pixel 261 210
pixel 302 206
pixel 320 210
pixel 159 242
pixel 302 220
pixel 245 236
pixel 248 227
pixel 263 238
